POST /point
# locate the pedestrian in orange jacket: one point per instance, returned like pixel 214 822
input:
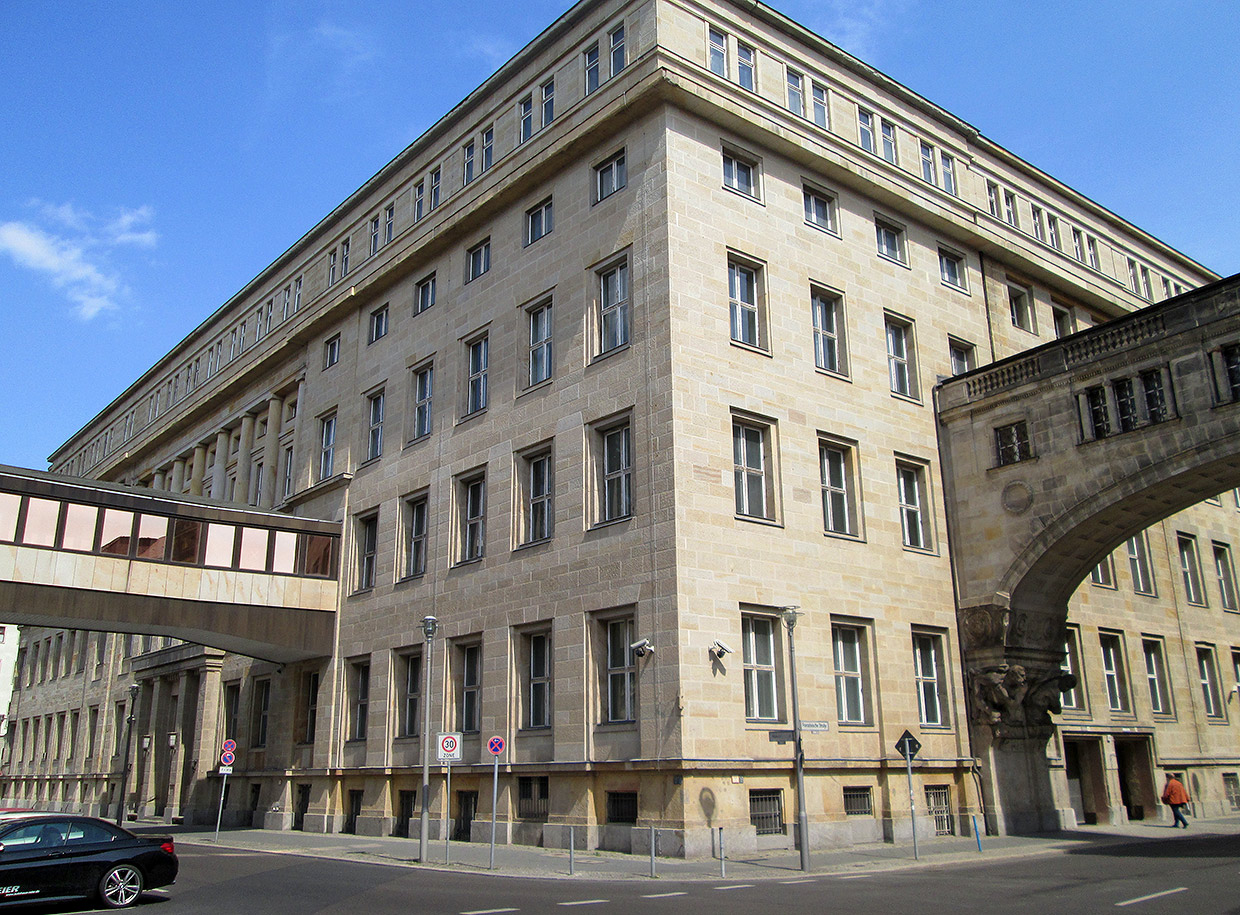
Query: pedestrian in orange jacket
pixel 1176 797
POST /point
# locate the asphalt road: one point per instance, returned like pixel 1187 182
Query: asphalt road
pixel 1179 874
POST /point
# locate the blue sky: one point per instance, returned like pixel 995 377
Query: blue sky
pixel 156 156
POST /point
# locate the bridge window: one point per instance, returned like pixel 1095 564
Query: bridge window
pixel 220 541
pixel 1155 395
pixel 116 535
pixel 911 483
pixel 929 678
pixel 1114 672
pixel 1012 443
pixel 1139 564
pixel 1020 305
pixel 1225 571
pixel 1156 676
pixel 10 506
pixel 79 533
pixel 851 692
pixel 1125 404
pixel 1099 418
pixel 42 516
pixel 1208 675
pixel 1231 363
pixel 186 538
pixel 1190 568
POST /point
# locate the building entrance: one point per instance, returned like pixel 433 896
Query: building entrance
pixel 1137 788
pixel 466 810
pixel 1086 781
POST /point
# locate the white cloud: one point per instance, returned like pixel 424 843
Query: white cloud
pixel 75 257
pixel 857 26
pixel 335 60
pixel 491 50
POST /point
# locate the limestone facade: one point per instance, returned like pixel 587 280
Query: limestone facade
pixel 652 364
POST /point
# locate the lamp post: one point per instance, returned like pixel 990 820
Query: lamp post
pixel 120 794
pixel 429 627
pixel 790 614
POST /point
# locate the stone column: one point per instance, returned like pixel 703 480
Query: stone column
pixel 160 480
pixel 219 478
pixel 242 493
pixel 204 789
pixel 177 483
pixel 199 470
pixel 146 731
pixel 271 453
pixel 176 763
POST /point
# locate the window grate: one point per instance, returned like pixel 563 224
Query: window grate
pixel 858 802
pixel 533 801
pixel 621 806
pixel 939 804
pixel 766 811
pixel 1231 788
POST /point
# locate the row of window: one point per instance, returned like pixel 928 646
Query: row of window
pixel 1116 681
pixel 1224 572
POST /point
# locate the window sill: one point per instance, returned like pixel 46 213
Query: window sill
pixel 535 730
pixel 825 230
pixel 417 441
pixel 528 545
pixel 751 347
pixel 755 519
pixel 369 462
pixel 839 376
pixel 753 198
pixel 410 578
pixel 610 522
pixel 894 260
pixel 537 386
pixel 923 550
pixel 468 562
pixel 844 535
pixel 605 354
pixel 907 398
pixel 963 290
pixel 630 725
pixel 471 416
pixel 362 592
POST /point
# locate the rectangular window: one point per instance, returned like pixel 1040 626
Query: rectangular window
pixel 616 40
pixel 613 319
pixel 378 324
pixel 1146 289
pixel 928 170
pixel 389 223
pixel 419 201
pixel 1225 573
pixel 616 473
pixel 1010 213
pixel 838 488
pixel 911 485
pixel 488 148
pixel 1052 231
pixel 821 118
pixel 327 446
pixel 547 92
pixel 591 65
pixel 962 356
pixel 740 174
pixel 766 811
pixel 1020 306
pixel 471 687
pixel 621 671
pixel 374 439
pixel 472 496
pixel 476 383
pixel 848 645
pixel 1103 574
pixel 743 305
pixel 344 258
pixel 416 529
pixel 1125 404
pixel 1114 671
pixel 367 546
pixel 610 176
pixel 828 318
pixel 1078 245
pixel 1099 415
pixel 538 222
pixel 929 678
pixel 360 706
pixel 992 198
pixel 758 657
pixel 374 235
pixel 424 295
pixel 537 487
pixel 796 93
pixel 746 67
pixel 1012 443
pixel 1070 698
pixel 717 53
pixel 951 269
pixel 1156 676
pixel 751 469
pixel 819 209
pixel 1207 674
pixel 1039 224
pixel 1091 245
pixel 540 365
pixel 410 673
pixel 890 240
pixel 889 141
pixel 331 278
pixel 477 260
pixel 1065 324
pixel 858 801
pixel 331 351
pixel 1190 568
pixel 533 797
pixel 259 713
pixel 1139 564
pixel 467 165
pixel 525 115
pixel 865 130
pixel 538 686
pixel 1155 396
pixel 949 173
pixel 901 357
pixel 1133 282
pixel 435 181
pixel 423 382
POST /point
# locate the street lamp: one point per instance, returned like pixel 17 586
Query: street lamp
pixel 120 794
pixel 429 627
pixel 790 614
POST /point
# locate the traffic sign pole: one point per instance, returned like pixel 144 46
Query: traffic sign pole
pixel 496 746
pixel 908 746
pixel 447 819
pixel 227 755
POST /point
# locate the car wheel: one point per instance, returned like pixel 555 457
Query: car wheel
pixel 121 886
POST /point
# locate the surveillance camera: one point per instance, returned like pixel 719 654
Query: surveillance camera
pixel 719 649
pixel 642 648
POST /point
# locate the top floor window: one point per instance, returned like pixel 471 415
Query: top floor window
pixel 591 65
pixel 616 39
pixel 796 93
pixel 746 67
pixel 718 53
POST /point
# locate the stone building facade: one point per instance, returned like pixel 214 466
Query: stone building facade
pixel 635 343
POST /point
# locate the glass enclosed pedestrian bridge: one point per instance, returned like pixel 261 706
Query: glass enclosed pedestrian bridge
pixel 83 554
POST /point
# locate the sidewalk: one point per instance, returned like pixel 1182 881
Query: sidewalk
pixel 528 861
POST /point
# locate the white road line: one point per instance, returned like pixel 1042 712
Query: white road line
pixel 736 886
pixel 583 902
pixel 489 911
pixel 1178 889
pixel 661 895
pixel 854 876
pixel 794 882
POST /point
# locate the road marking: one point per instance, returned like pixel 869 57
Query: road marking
pixel 489 911
pixel 662 895
pixel 855 876
pixel 736 886
pixel 583 902
pixel 1178 889
pixel 794 882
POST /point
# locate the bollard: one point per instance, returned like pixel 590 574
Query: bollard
pixel 572 844
pixel 723 856
pixel 977 835
pixel 652 841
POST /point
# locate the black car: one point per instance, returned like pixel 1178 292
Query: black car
pixel 46 856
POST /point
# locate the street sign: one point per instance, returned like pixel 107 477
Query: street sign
pixel 815 726
pixel 908 745
pixel 780 736
pixel 225 770
pixel 230 746
pixel 227 758
pixel 496 745
pixel 449 748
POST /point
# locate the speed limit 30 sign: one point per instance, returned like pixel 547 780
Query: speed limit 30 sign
pixel 450 747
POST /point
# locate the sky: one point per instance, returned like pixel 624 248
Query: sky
pixel 156 156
